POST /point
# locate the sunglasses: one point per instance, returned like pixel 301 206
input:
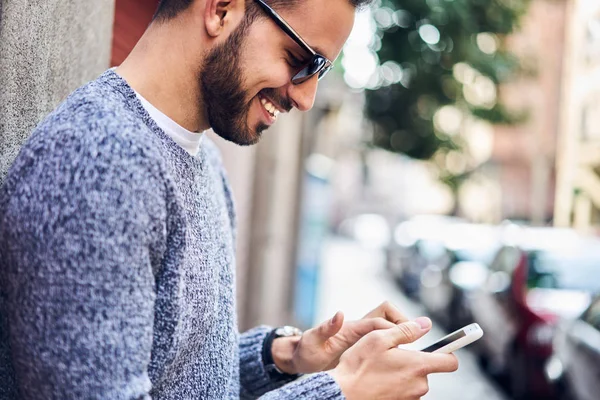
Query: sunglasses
pixel 317 65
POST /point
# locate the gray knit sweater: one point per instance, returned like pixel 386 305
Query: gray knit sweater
pixel 117 265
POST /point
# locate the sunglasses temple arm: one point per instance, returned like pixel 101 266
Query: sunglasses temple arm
pixel 286 28
pixel 291 33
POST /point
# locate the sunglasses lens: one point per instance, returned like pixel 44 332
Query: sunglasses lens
pixel 318 65
pixel 324 71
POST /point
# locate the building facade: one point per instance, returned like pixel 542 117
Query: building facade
pixel 578 164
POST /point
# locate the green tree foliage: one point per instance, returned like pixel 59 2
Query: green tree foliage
pixel 431 54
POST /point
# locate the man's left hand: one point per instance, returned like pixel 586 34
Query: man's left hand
pixel 320 348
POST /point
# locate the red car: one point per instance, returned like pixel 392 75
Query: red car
pixel 545 276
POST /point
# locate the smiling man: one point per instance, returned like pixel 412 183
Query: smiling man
pixel 244 69
pixel 117 226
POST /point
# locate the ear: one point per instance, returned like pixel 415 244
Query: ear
pixel 223 15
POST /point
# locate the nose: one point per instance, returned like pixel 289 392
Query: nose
pixel 303 95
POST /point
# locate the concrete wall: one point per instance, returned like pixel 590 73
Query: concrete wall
pixel 273 224
pixel 264 180
pixel 47 49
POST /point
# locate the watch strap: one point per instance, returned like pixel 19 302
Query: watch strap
pixel 267 356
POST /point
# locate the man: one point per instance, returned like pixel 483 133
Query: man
pixel 116 226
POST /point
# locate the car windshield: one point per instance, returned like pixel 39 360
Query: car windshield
pixel 431 250
pixel 483 255
pixel 553 270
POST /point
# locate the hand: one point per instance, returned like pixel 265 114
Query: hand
pixel 375 368
pixel 320 348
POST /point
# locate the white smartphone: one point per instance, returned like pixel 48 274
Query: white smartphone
pixel 456 340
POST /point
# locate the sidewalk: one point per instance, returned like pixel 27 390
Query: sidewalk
pixel 354 281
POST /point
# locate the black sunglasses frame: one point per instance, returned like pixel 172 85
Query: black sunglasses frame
pixel 318 64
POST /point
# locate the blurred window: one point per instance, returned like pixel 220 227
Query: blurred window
pixel 591 118
pixel 592 315
pixel 592 46
pixel 564 271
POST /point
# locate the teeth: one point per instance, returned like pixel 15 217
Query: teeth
pixel 270 107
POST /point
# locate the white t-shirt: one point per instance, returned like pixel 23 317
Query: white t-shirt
pixel 188 140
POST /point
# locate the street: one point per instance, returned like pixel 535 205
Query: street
pixel 353 280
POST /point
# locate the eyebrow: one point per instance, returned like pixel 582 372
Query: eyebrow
pixel 320 51
pixel 291 32
pixel 316 49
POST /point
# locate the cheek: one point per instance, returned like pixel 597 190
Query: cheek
pixel 266 72
pixel 267 78
pixel 275 76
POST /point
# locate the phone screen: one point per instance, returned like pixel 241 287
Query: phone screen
pixel 445 341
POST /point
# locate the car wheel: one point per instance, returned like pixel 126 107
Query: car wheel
pixel 456 315
pixel 482 362
pixel 518 375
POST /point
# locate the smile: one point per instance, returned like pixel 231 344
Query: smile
pixel 269 107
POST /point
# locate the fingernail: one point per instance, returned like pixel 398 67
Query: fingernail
pixel 423 322
pixel 335 318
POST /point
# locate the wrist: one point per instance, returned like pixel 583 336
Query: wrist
pixel 282 351
pixel 344 386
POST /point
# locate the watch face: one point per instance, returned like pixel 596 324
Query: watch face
pixel 287 330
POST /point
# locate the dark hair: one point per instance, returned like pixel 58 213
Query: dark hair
pixel 168 9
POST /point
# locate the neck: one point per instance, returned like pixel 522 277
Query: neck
pixel 163 70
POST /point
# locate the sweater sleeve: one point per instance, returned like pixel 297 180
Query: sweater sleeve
pixel 77 284
pixel 320 386
pixel 254 379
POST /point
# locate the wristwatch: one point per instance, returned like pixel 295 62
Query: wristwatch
pixel 269 363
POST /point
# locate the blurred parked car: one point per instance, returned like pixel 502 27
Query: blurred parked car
pixel 548 274
pixel 369 229
pixel 445 285
pixel 574 368
pixel 417 243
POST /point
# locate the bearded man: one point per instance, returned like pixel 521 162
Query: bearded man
pixel 117 226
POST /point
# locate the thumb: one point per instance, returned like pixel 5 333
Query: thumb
pixel 408 332
pixel 330 327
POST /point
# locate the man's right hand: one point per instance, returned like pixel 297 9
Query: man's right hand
pixel 375 368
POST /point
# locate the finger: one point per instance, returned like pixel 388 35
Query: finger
pixel 328 328
pixel 388 311
pixel 364 326
pixel 440 363
pixel 422 387
pixel 407 332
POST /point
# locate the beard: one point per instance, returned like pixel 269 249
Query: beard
pixel 226 102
